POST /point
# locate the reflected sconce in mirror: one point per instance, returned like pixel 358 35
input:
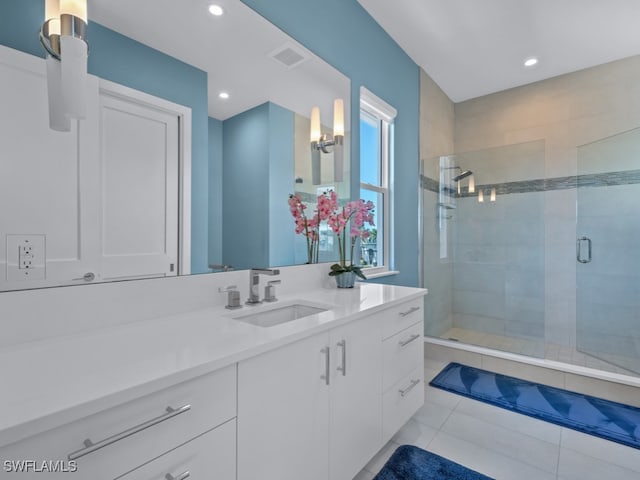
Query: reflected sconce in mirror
pixel 321 143
pixel 64 36
pixel 472 184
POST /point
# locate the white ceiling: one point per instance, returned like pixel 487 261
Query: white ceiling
pixel 234 51
pixel 475 47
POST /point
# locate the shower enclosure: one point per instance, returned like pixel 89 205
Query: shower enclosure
pixel 545 266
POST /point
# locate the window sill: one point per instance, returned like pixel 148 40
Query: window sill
pixel 379 274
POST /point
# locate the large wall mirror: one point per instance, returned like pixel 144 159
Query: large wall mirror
pixel 197 132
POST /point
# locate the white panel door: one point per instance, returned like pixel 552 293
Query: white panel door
pixel 355 402
pixel 101 199
pixel 283 413
pixel 43 180
pixel 139 189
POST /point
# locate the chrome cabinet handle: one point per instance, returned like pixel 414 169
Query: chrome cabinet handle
pixel 325 377
pixel 410 311
pixel 87 277
pixel 409 388
pixel 91 447
pixel 409 340
pixel 182 476
pixel 343 368
pixel 579 249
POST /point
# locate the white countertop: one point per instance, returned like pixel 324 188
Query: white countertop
pixel 53 382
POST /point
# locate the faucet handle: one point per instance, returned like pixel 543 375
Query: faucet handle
pixel 270 291
pixel 233 296
pixel 224 268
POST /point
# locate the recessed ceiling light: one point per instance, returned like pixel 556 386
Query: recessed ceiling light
pixel 530 62
pixel 216 10
pixel 223 95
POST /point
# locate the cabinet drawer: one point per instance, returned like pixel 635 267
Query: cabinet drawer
pixel 212 455
pixel 135 432
pixel 401 401
pixel 402 316
pixel 402 353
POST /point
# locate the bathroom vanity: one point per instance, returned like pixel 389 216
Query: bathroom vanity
pixel 204 394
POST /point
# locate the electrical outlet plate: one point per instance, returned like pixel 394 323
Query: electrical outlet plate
pixel 26 257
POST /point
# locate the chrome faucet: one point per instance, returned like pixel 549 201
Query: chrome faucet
pixel 254 283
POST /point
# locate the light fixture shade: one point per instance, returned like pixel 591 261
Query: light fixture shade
pixel 315 133
pixel 480 196
pixel 58 120
pixel 77 8
pixel 73 69
pixel 472 184
pixel 493 194
pixel 52 11
pixel 338 117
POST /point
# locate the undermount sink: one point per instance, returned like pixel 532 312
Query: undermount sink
pixel 281 314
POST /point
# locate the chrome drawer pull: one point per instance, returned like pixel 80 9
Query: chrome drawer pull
pixel 410 311
pixel 325 377
pixel 182 476
pixel 409 388
pixel 91 447
pixel 343 368
pixel 409 340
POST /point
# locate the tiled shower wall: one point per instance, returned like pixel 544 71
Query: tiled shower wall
pixel 436 139
pixel 499 278
pixel 564 113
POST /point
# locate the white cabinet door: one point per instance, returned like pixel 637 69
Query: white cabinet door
pixel 355 428
pixel 139 189
pixel 283 413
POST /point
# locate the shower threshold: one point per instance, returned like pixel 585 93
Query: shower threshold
pixel 537 348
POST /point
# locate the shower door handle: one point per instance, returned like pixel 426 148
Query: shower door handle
pixel 579 250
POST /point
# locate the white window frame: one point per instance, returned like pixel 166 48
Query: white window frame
pixel 385 114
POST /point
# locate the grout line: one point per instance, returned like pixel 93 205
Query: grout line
pixel 560 447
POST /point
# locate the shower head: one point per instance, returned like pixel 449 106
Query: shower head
pixel 464 174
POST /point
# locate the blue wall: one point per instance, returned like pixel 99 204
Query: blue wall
pixel 125 61
pixel 215 191
pixel 257 165
pixel 344 35
pixel 281 182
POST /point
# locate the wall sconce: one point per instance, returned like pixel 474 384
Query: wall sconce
pixel 480 196
pixel 63 35
pixel 321 143
pixel 492 198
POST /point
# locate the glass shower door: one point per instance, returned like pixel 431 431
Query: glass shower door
pixel 607 250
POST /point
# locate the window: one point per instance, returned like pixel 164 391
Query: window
pixel 376 146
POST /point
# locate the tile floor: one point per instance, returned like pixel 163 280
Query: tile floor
pixel 505 445
pixel 538 348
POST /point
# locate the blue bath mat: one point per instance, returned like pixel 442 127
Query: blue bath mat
pixel 413 463
pixel 595 416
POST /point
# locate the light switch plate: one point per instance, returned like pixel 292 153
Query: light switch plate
pixel 26 257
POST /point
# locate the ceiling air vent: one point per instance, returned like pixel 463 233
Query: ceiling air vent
pixel 288 55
